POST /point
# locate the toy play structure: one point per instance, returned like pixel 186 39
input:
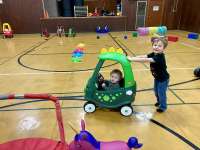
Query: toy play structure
pixel 86 137
pixel 45 33
pixel 82 141
pixel 60 31
pixel 7 31
pixel 102 29
pixel 119 98
pixel 78 53
pixel 162 30
pixel 70 33
pixel 38 143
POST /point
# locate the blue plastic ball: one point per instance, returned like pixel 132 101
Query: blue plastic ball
pixel 106 29
pixel 98 29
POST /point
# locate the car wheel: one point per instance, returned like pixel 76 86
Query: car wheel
pixel 89 107
pixel 126 110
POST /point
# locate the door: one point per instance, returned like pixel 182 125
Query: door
pixel 154 13
pixel 140 14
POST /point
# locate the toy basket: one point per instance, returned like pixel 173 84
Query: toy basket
pixel 38 143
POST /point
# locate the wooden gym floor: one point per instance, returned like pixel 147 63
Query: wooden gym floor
pixel 29 63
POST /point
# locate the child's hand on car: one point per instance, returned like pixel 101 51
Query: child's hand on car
pixel 103 85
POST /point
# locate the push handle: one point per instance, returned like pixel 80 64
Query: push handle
pixel 54 99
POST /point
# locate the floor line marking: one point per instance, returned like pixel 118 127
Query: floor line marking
pixel 176 95
pixel 47 73
pixel 189 45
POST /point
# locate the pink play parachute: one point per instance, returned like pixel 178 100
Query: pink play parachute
pixel 83 140
pixel 38 143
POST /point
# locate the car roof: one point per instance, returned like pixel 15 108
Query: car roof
pixel 118 56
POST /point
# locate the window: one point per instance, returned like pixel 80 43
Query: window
pixel 80 11
pixel 141 13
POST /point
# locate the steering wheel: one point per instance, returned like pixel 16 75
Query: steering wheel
pixel 100 81
pixel 100 78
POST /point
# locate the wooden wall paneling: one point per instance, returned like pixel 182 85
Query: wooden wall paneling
pixel 172 13
pixel 52 23
pixel 84 24
pixel 129 10
pixel 190 16
pixel 91 5
pixel 11 13
pixel 32 12
pixel 154 17
pixel 23 15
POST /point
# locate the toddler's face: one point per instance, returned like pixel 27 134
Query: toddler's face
pixel 158 47
pixel 114 78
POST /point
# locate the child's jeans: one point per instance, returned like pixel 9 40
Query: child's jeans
pixel 160 89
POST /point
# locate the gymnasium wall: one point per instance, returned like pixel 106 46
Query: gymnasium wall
pixel 175 14
pixel 129 10
pixel 23 15
pixel 154 17
pixel 172 13
pixel 84 24
pixel 190 16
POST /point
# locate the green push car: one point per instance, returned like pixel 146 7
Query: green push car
pixel 121 98
pixel 70 33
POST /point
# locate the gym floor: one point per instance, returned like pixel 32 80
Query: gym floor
pixel 31 64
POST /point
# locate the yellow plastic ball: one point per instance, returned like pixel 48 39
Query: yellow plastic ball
pixel 119 50
pixel 111 49
pixel 81 45
pixel 103 50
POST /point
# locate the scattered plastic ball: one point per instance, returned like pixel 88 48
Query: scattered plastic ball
pixel 80 46
pixel 111 49
pixel 98 29
pixel 103 50
pixel 106 29
pixel 119 50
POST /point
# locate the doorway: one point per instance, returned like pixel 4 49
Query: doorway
pixel 140 14
pixel 154 13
